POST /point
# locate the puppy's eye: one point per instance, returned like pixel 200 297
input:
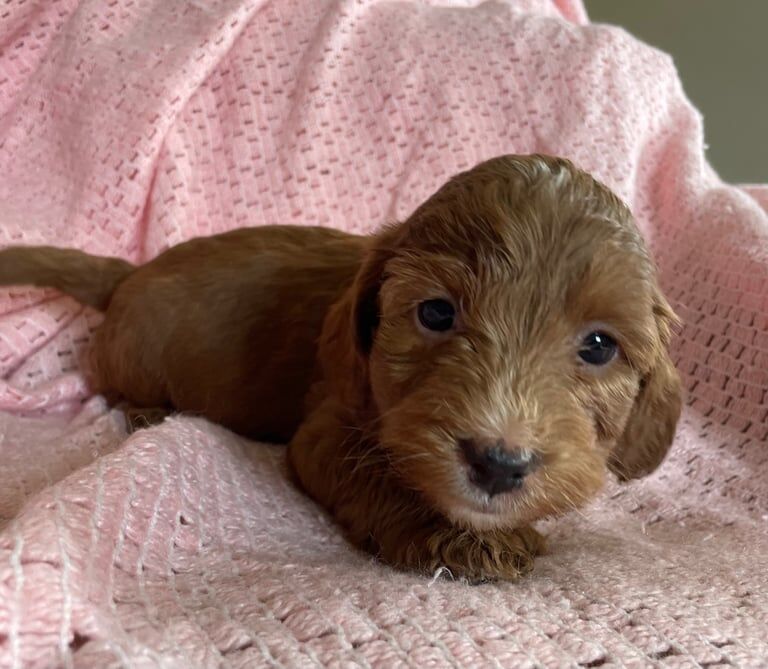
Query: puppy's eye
pixel 437 315
pixel 598 348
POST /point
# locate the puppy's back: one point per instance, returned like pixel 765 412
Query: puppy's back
pixel 226 326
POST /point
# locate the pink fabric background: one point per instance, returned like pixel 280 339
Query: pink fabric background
pixel 126 127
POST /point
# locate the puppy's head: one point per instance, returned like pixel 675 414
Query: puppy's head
pixel 511 340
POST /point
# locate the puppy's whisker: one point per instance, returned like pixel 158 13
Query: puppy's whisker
pixel 412 456
pixel 561 487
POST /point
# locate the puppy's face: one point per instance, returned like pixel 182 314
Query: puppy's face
pixel 514 342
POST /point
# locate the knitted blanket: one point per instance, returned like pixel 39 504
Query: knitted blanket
pixel 126 127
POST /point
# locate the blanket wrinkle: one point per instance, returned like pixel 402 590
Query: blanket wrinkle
pixel 126 128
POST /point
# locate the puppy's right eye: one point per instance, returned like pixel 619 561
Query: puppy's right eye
pixel 437 315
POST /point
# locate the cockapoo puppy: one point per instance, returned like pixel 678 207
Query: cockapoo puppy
pixel 441 384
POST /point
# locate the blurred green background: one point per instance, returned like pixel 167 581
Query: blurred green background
pixel 720 48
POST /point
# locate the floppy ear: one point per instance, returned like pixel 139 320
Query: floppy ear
pixel 350 326
pixel 651 426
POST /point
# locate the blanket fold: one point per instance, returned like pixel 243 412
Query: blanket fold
pixel 128 127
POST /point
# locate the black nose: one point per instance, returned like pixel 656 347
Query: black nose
pixel 494 466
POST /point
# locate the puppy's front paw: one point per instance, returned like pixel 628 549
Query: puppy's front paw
pixel 479 556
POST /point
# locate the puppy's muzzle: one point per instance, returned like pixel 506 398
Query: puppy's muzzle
pixel 496 467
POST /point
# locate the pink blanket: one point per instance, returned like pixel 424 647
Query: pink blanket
pixel 129 126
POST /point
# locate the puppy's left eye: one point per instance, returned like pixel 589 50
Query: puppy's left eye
pixel 598 348
pixel 436 315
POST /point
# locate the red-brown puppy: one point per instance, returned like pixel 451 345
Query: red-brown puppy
pixel 442 384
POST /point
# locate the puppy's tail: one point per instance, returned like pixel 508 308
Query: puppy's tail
pixel 89 279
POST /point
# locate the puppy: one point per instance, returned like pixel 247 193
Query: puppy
pixel 442 384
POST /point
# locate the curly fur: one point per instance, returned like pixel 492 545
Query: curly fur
pixel 309 336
